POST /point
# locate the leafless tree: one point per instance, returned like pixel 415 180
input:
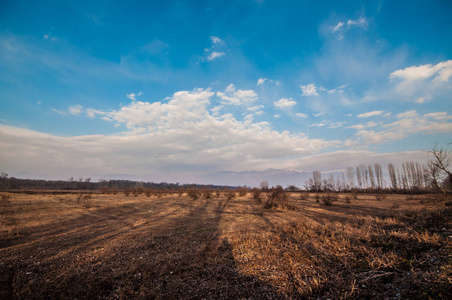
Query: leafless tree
pixel 392 176
pixel 379 175
pixel 439 169
pixel 351 179
pixel 317 176
pixel 371 177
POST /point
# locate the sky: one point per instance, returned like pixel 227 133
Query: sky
pixel 167 90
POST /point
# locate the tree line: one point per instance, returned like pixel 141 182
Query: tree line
pixel 409 177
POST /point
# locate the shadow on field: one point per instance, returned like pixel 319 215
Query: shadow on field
pixel 163 251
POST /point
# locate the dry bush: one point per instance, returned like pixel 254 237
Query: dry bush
pixel 230 194
pixel 207 193
pixel 355 196
pixel 304 196
pixel 194 194
pixel 148 192
pixel 275 196
pixel 348 199
pixel 127 192
pixel 380 197
pixel 217 193
pixel 317 198
pixel 104 190
pixel 329 198
pixel 256 194
pixel 243 191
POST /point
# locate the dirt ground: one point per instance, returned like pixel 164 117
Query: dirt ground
pixel 173 247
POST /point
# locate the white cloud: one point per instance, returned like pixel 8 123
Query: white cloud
pixel 336 125
pixel 340 28
pixel 180 134
pixel 214 55
pixel 232 96
pixel 309 90
pixel 442 116
pixel 408 123
pixel 361 22
pixel 337 27
pixel 91 113
pixel 216 50
pixel 75 110
pixel 301 115
pixel 407 114
pixel 217 41
pixel 284 103
pixel 370 114
pixel 277 116
pixel 132 96
pixel 441 72
pixel 423 83
pixel 255 108
pixel 261 81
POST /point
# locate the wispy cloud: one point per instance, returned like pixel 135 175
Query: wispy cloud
pixel 261 81
pixel 406 124
pixel 309 90
pixel 232 96
pixel 370 114
pixel 216 50
pixel 341 27
pixel 301 115
pixel 75 110
pixel 423 83
pixel 215 54
pixel 132 96
pixel 284 103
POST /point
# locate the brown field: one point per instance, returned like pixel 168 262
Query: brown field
pixel 171 247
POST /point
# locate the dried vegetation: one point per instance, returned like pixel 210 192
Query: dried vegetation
pixel 170 246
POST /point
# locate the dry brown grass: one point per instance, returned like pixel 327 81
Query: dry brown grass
pixel 172 247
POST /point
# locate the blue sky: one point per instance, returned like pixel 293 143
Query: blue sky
pixel 165 90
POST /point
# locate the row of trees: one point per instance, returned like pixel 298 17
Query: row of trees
pixel 7 182
pixel 411 176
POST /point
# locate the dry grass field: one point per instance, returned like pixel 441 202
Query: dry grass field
pixel 173 247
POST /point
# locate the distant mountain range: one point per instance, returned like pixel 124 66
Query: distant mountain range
pixel 274 177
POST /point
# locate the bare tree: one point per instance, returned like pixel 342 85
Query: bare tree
pixel 359 177
pixel 351 179
pixel 439 169
pixel 371 177
pixel 378 175
pixel 392 176
pixel 317 176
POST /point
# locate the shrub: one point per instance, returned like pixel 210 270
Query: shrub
pixel 317 198
pixel 256 194
pixel 348 199
pixel 217 193
pixel 207 193
pixel 127 192
pixel 329 198
pixel 380 197
pixel 304 196
pixel 243 191
pixel 148 192
pixel 230 194
pixel 193 194
pixel 274 196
